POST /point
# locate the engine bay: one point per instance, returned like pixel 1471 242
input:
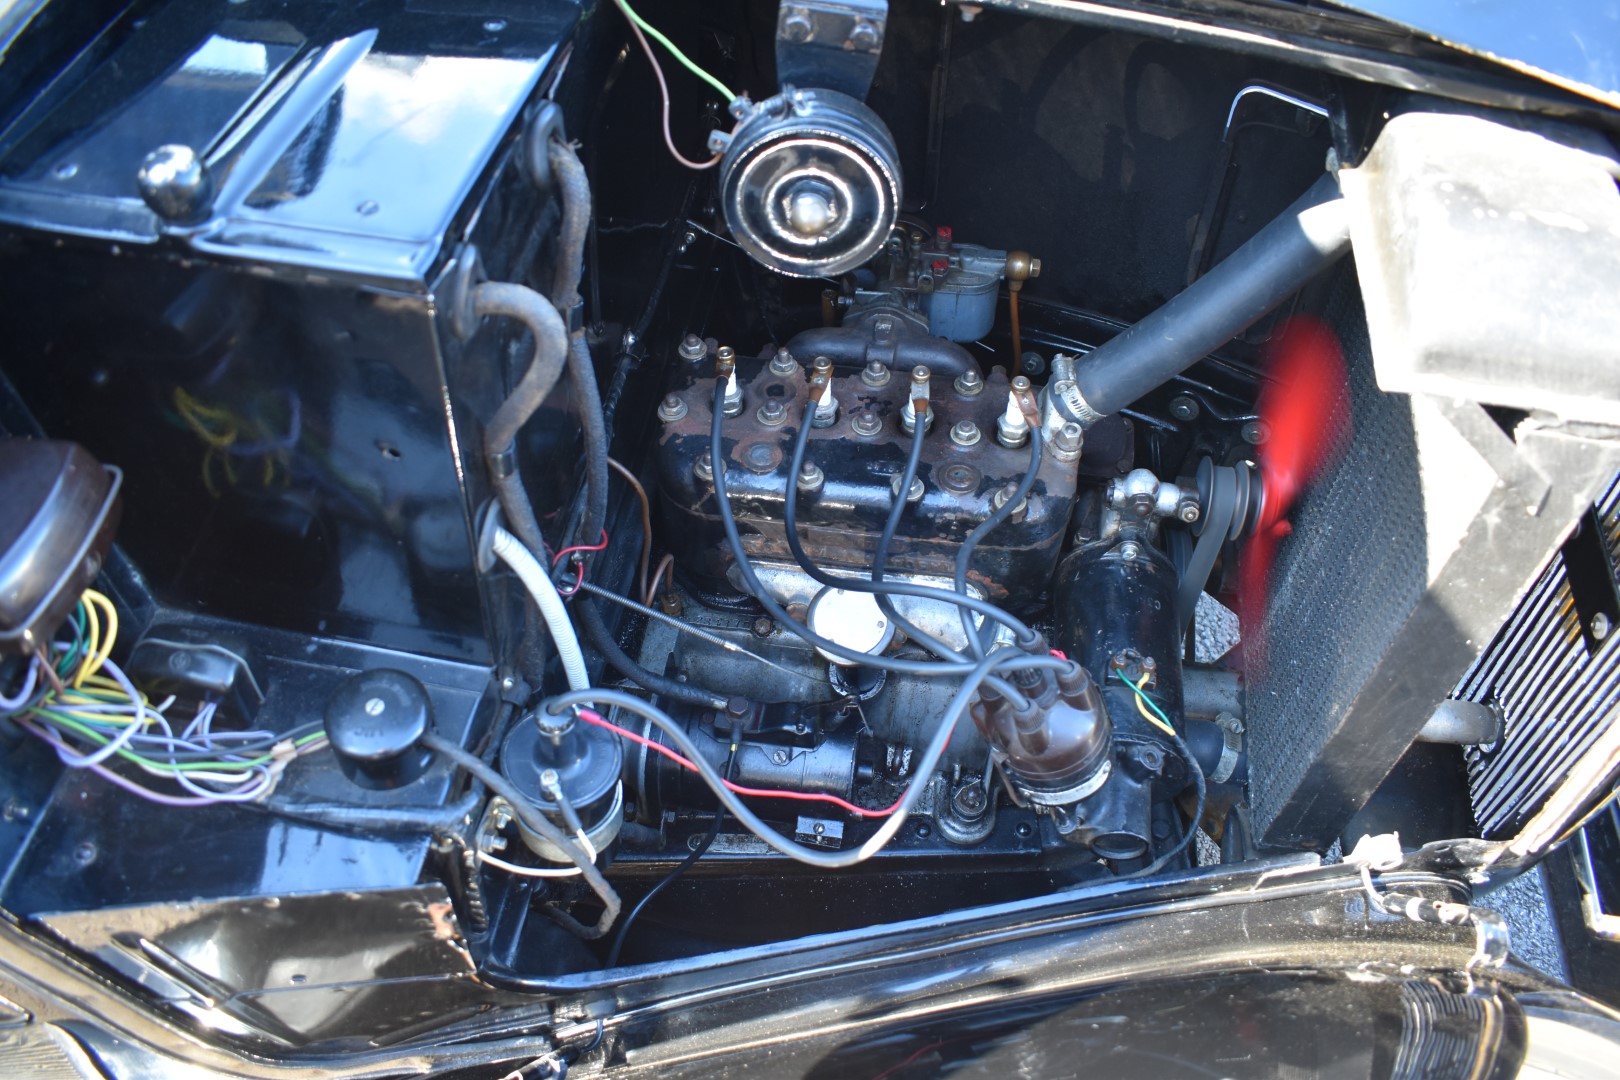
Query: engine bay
pixel 944 455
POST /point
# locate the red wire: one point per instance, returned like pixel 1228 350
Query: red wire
pixel 557 558
pixel 764 793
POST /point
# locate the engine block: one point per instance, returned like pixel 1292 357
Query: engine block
pixel 853 464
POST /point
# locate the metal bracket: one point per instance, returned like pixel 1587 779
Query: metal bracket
pixel 456 292
pixel 546 124
pixel 830 44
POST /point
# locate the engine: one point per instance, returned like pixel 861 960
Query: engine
pixel 428 482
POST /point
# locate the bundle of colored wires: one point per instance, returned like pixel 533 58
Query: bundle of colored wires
pixel 76 699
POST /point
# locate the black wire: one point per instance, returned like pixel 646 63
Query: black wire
pixel 1198 813
pixel 1026 637
pixel 674 875
pixel 975 635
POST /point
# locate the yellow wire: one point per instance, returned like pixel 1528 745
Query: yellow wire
pixel 92 642
pixel 1143 709
pixel 93 665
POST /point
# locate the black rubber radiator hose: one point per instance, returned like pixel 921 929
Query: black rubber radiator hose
pixel 1307 238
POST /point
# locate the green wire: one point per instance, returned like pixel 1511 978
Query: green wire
pixel 98 736
pixel 65 665
pixel 1154 705
pixel 654 33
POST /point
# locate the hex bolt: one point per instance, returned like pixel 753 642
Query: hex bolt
pixel 1255 432
pixel 913 494
pixel 783 363
pixel 1032 363
pixel 797 27
pixel 1129 550
pixel 671 409
pixel 703 468
pixel 970 383
pixel 811 477
pixel 875 373
pixel 865 36
pixel 1188 511
pixel 865 424
pixel 773 413
pixel 1600 626
pixel 965 433
pixel 1183 407
pixel 1068 439
pixel 1003 496
pixel 693 348
pixel 764 626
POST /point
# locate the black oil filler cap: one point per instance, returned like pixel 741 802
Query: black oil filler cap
pixel 375 722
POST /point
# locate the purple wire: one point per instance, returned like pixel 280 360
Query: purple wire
pixel 27 691
pixel 128 785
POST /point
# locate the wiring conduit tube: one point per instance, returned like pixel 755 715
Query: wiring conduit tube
pixel 510 550
pixel 1307 238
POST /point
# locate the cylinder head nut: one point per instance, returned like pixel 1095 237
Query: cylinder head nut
pixel 965 433
pixel 693 348
pixel 783 363
pixel 1004 495
pixel 773 413
pixel 970 383
pixel 672 408
pixel 811 478
pixel 1068 441
pixel 703 467
pixel 875 373
pixel 866 424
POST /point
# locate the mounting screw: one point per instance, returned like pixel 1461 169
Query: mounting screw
pixel 779 757
pixel 797 27
pixel 764 626
pixel 671 409
pixel 1129 550
pixel 970 383
pixel 1255 432
pixel 1183 407
pixel 865 424
pixel 1032 363
pixel 965 433
pixel 783 363
pixel 811 477
pixel 1188 511
pixel 1600 626
pixel 693 348
pixel 913 493
pixel 773 413
pixel 1024 830
pixel 865 37
pixel 875 374
pixel 85 853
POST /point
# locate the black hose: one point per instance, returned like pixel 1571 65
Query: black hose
pixel 1304 240
pixel 575 190
pixel 500 436
pixel 601 639
pixel 541 826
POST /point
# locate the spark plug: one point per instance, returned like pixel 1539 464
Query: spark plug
pixel 917 402
pixel 1012 428
pixel 726 365
pixel 826 405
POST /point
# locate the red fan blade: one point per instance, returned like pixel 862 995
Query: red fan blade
pixel 1305 411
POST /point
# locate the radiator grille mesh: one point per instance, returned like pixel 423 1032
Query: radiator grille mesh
pixel 1554 697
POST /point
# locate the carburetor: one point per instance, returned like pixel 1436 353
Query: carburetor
pixel 975 452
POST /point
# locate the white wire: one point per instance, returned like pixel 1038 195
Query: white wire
pixel 535 871
pixel 534 577
pixel 76 761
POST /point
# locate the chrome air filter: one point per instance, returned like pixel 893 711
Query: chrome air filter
pixel 810 183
